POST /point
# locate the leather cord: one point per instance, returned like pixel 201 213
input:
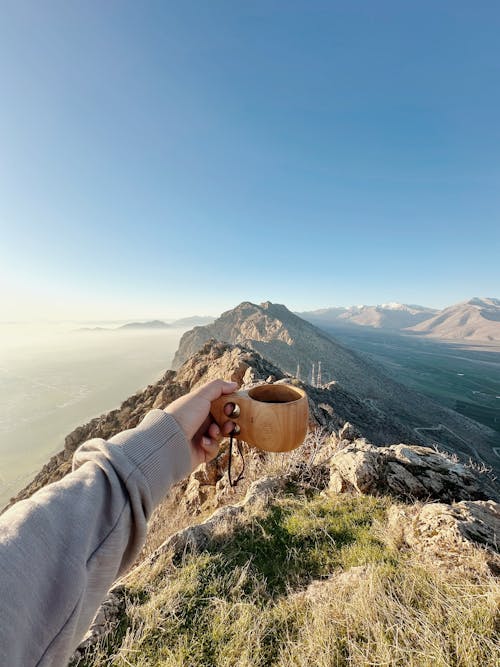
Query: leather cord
pixel 232 482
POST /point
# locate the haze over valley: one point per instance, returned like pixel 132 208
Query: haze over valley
pixel 52 379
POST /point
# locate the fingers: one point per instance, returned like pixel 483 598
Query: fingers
pixel 215 389
pixel 216 433
pixel 227 428
pixel 209 447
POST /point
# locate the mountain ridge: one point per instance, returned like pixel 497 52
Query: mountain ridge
pixel 148 325
pixel 391 316
pixel 476 319
pixel 291 342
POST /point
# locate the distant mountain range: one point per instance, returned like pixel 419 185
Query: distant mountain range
pixel 394 316
pixel 185 322
pixel 475 320
pixel 396 413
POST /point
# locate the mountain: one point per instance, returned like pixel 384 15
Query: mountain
pixel 390 316
pixel 153 324
pixel 474 320
pixel 338 552
pixel 193 321
pixel 288 341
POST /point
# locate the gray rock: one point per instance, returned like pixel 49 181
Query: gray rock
pixel 448 533
pixel 349 432
pixel 406 471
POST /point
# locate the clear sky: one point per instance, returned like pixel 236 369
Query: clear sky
pixel 159 159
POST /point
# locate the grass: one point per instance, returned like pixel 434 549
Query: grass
pixel 242 601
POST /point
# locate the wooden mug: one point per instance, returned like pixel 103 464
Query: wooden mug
pixel 273 417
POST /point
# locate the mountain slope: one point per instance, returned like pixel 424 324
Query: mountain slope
pixel 287 340
pixel 388 316
pixel 474 320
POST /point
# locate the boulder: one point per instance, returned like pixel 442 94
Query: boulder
pixel 447 533
pixel 406 471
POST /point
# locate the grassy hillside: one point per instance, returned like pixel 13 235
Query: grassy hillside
pixel 308 578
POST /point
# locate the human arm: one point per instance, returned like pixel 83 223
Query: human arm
pixel 62 549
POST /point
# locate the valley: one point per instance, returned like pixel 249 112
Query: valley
pixel 463 377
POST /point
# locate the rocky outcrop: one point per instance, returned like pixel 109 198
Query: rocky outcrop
pixel 448 533
pixel 407 472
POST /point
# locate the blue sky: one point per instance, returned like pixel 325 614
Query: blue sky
pixel 163 159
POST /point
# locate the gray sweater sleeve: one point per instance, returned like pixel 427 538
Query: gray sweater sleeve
pixel 62 549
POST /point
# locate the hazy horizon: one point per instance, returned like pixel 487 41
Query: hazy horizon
pixel 172 317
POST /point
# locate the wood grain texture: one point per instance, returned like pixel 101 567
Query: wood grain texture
pixel 271 417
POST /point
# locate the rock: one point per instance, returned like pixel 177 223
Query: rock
pixel 406 471
pixel 105 620
pixel 403 482
pixel 349 432
pixel 195 495
pixel 448 533
pixel 262 491
pixel 250 377
pixel 202 484
pixel 206 473
pixel 356 468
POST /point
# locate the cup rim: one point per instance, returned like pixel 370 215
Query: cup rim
pixel 296 393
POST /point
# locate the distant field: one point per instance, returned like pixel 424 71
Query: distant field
pixel 464 378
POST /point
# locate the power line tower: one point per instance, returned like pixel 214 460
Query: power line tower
pixel 318 381
pixel 313 379
pixel 297 374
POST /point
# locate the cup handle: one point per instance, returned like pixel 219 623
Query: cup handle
pixel 241 400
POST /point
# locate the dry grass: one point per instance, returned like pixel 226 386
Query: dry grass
pixel 247 599
pixel 304 463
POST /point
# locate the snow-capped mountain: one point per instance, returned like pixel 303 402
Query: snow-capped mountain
pixel 391 316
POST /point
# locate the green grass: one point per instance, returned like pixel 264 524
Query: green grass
pixel 239 602
pixel 296 541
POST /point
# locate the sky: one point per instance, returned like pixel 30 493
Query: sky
pixel 161 159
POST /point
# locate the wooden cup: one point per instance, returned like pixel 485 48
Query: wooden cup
pixel 273 417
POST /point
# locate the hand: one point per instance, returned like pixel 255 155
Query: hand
pixel 192 413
